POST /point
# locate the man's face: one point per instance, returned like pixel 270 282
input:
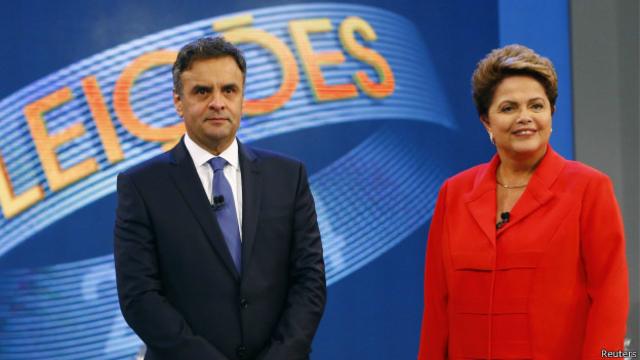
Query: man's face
pixel 211 102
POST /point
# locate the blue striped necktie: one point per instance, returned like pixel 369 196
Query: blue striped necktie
pixel 225 210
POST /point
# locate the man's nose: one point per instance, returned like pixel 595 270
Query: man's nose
pixel 217 102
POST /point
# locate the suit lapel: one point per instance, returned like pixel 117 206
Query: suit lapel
pixel 186 179
pixel 481 200
pixel 251 197
pixel 538 190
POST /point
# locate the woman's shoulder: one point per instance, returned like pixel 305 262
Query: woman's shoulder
pixel 578 179
pixel 578 170
pixel 469 175
pixel 466 180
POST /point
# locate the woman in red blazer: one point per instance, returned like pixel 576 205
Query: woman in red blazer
pixel 525 257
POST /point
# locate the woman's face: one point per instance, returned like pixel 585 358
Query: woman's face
pixel 519 118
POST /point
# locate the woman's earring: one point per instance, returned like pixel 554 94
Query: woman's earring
pixel 491 138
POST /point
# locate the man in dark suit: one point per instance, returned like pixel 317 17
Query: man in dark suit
pixel 192 283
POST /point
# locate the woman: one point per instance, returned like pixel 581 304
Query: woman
pixel 525 257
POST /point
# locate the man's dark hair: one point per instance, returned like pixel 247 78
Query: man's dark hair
pixel 205 48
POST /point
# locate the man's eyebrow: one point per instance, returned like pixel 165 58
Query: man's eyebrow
pixel 231 84
pixel 197 87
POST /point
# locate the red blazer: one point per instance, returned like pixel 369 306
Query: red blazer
pixel 551 284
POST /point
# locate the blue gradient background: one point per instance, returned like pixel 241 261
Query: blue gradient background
pixel 374 218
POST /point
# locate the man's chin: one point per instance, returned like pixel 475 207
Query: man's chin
pixel 220 139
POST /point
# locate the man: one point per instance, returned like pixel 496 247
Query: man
pixel 192 283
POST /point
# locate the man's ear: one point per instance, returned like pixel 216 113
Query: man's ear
pixel 177 103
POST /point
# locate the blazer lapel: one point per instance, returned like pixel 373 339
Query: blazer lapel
pixel 538 190
pixel 189 185
pixel 481 200
pixel 251 197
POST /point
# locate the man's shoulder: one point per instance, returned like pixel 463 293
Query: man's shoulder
pixel 150 167
pixel 271 158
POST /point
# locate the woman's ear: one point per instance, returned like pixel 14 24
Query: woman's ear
pixel 485 121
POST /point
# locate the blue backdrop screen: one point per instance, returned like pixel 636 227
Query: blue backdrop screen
pixel 374 97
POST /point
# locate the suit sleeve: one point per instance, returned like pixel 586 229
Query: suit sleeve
pixel 435 325
pixel 307 293
pixel 140 291
pixel 603 253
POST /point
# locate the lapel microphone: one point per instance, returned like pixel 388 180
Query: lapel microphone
pixel 218 202
pixel 504 219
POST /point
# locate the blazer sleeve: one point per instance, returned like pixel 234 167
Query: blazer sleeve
pixel 307 293
pixel 434 335
pixel 603 253
pixel 140 291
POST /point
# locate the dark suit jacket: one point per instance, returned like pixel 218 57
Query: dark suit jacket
pixel 177 286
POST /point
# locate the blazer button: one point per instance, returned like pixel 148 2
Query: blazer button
pixel 241 351
pixel 244 303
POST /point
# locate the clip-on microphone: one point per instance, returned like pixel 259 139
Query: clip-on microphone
pixel 218 202
pixel 504 219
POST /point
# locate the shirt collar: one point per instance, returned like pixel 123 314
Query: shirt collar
pixel 201 156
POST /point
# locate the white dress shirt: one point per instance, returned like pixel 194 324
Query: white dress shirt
pixel 231 171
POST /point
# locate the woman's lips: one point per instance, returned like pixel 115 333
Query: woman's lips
pixel 524 132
